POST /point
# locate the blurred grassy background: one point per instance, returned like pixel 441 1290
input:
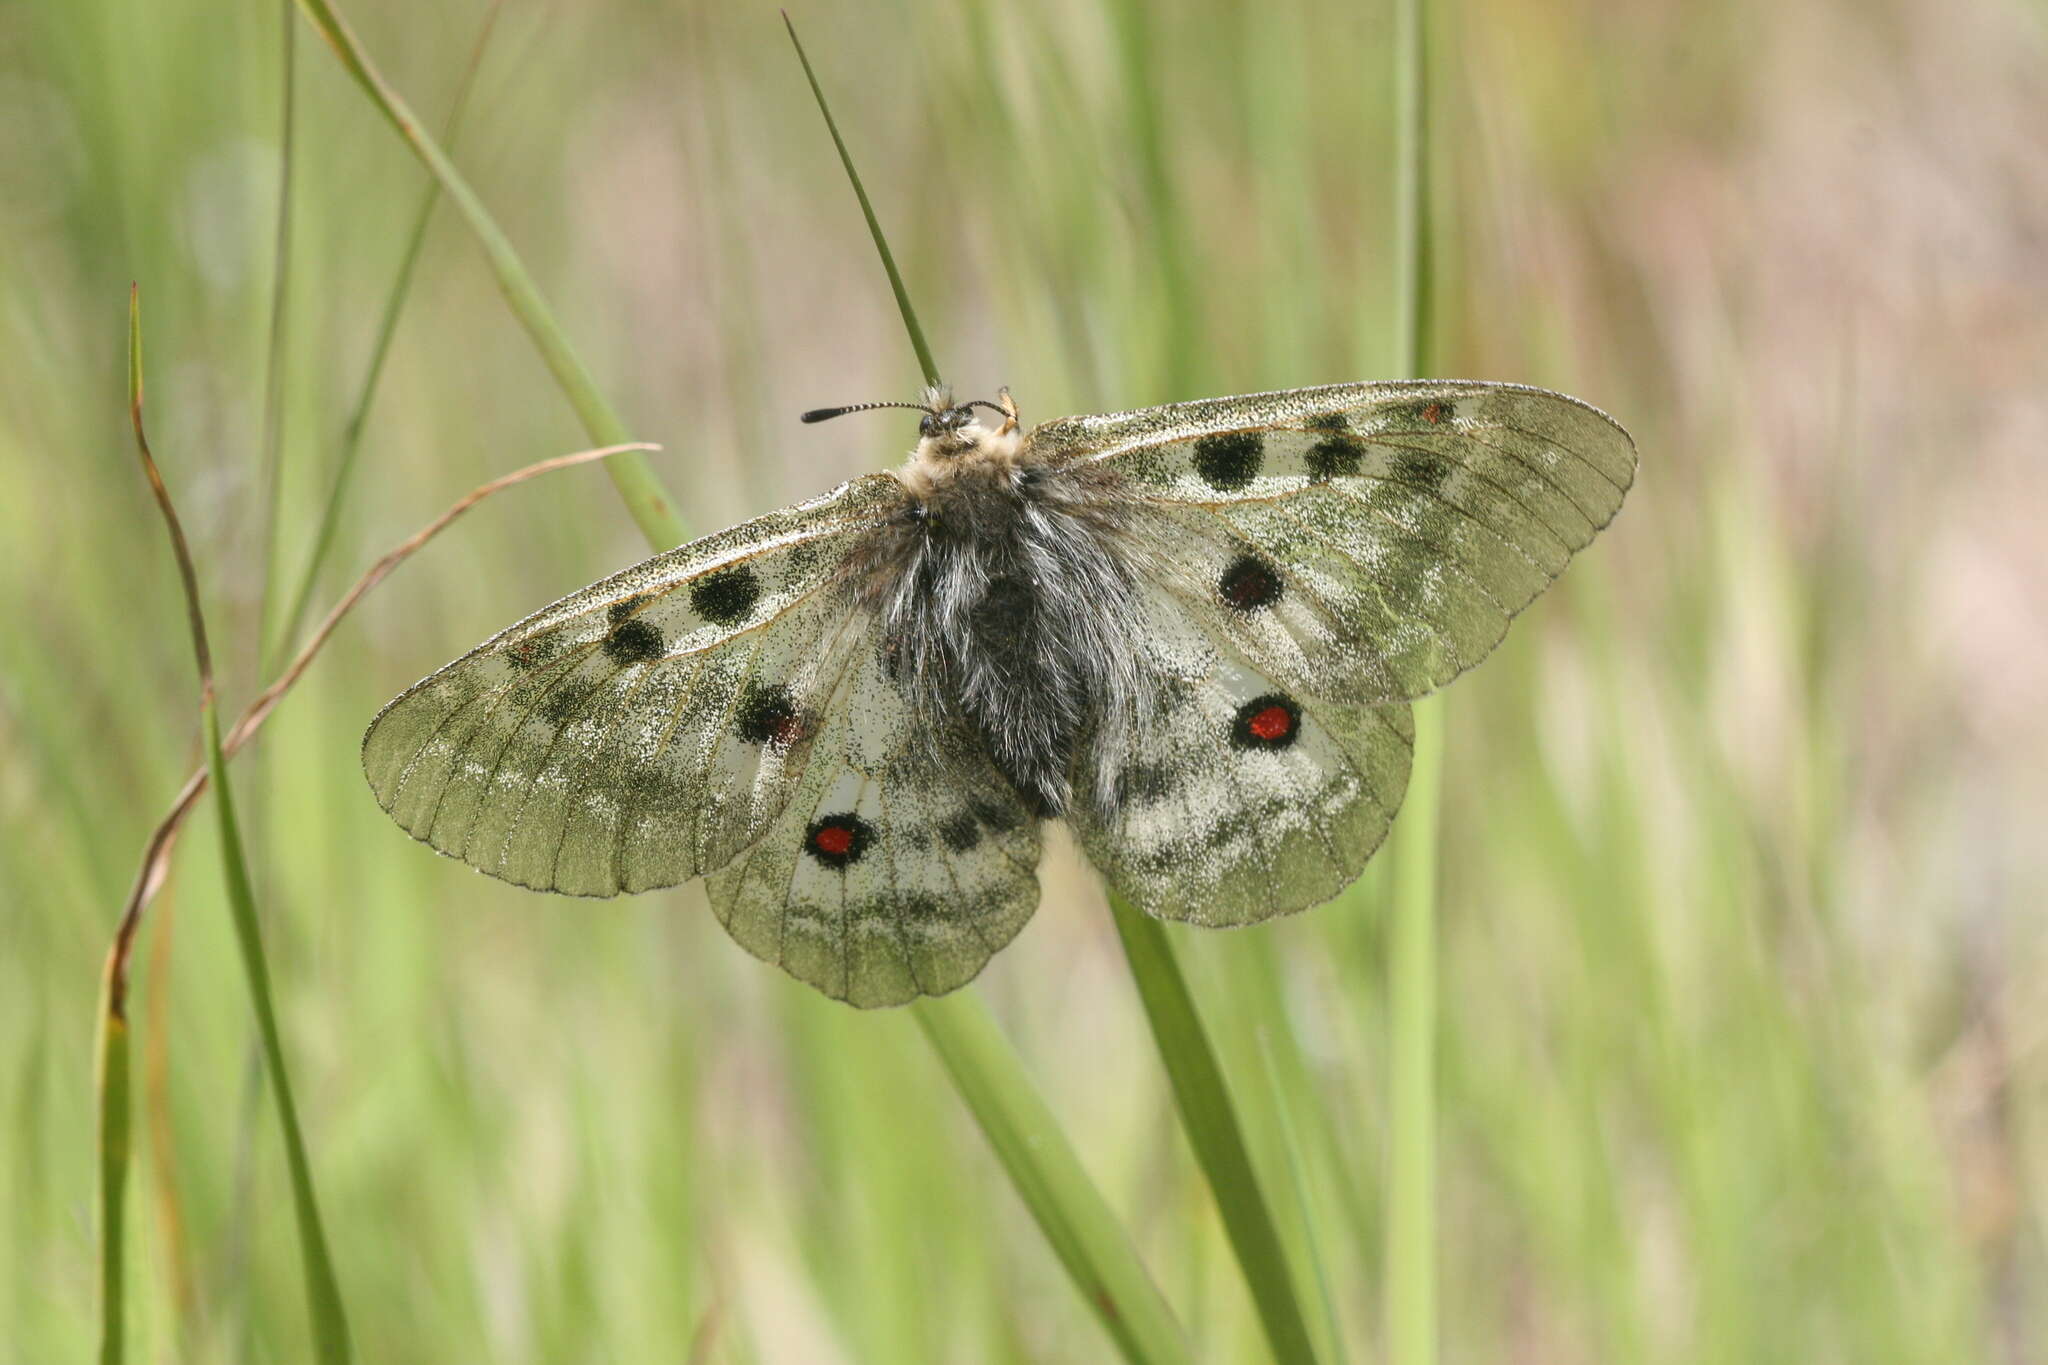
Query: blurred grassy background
pixel 1743 1045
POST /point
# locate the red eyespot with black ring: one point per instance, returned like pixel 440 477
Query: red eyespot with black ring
pixel 1268 722
pixel 838 841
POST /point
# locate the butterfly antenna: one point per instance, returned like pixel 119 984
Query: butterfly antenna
pixel 1007 408
pixel 827 414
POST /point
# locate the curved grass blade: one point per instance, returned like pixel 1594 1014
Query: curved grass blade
pixel 1410 1290
pixel 1210 1120
pixel 649 504
pixel 323 1290
pixel 157 851
pixel 380 350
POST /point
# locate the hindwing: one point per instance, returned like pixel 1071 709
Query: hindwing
pixel 1237 796
pixel 901 863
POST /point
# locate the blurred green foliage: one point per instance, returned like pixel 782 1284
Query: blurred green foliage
pixel 1742 939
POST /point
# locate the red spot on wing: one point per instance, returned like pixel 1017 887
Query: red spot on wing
pixel 836 840
pixel 1433 414
pixel 1274 723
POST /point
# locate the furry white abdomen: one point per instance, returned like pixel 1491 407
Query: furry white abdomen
pixel 1012 605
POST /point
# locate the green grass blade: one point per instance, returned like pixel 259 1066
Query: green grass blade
pixel 280 305
pixel 380 351
pixel 867 211
pixel 1409 1298
pixel 1213 1131
pixel 323 1290
pixel 1071 1212
pixel 1297 1177
pixel 1415 278
pixel 917 341
pixel 110 1081
pixel 1410 1291
pixel 649 504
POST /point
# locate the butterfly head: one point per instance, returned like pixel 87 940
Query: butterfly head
pixel 949 430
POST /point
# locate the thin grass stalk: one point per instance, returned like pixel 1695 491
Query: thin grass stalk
pixel 1409 1298
pixel 323 1290
pixel 1410 1292
pixel 280 303
pixel 649 504
pixel 110 1085
pixel 387 328
pixel 988 1073
pixel 1297 1179
pixel 925 362
pixel 1069 1209
pixel 1210 1120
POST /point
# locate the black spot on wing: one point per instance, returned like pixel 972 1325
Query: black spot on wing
pixel 998 819
pixel 565 700
pixel 1230 460
pixel 767 715
pixel 1248 584
pixel 726 597
pixel 919 906
pixel 633 641
pixel 960 832
pixel 1334 457
pixel 912 906
pixel 1422 469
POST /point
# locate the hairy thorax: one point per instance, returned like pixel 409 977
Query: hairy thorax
pixel 1009 604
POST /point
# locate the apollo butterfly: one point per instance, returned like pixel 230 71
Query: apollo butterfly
pixel 1189 631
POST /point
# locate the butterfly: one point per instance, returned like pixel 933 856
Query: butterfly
pixel 1191 632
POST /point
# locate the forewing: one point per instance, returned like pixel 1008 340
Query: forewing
pixel 642 731
pixel 900 865
pixel 1236 797
pixel 1403 524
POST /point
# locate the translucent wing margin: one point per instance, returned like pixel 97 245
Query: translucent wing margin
pixel 642 731
pixel 900 865
pixel 1404 525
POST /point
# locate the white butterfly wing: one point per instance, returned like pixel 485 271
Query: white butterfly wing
pixel 900 865
pixel 1312 560
pixel 1401 525
pixel 642 731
